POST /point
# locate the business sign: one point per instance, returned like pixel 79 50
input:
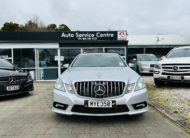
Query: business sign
pixel 99 35
pixel 121 35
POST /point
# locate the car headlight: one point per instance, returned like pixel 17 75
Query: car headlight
pixel 70 88
pixel 140 84
pixel 157 66
pixel 130 87
pixel 29 77
pixel 59 85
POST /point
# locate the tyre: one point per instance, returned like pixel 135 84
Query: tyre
pixel 158 82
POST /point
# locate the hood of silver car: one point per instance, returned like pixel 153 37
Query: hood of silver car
pixel 178 60
pixel 75 74
pixel 148 62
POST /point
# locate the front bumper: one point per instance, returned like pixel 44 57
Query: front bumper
pixel 146 69
pixel 72 100
pixel 164 76
pixel 24 88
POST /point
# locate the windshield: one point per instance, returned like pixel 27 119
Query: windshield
pixel 185 52
pixel 5 64
pixel 99 60
pixel 147 58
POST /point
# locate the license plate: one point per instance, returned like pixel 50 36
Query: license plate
pixel 175 77
pixel 99 104
pixel 13 88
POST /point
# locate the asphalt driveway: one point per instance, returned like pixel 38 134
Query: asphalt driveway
pixel 30 116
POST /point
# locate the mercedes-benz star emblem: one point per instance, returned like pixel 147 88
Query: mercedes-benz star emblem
pixel 12 80
pixel 175 67
pixel 100 89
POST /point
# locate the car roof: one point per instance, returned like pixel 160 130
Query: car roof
pixel 144 54
pixel 99 54
pixel 182 47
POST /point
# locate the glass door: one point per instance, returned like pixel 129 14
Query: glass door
pixel 47 64
pixel 66 57
pixel 25 59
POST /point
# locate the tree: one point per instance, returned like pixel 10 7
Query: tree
pixel 31 26
pixel 63 28
pixel 52 27
pixel 10 27
pixel 22 28
pixel 34 25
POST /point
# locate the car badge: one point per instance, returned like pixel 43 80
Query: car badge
pixel 12 80
pixel 100 89
pixel 175 68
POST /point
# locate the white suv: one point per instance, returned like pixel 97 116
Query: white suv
pixel 175 67
pixel 99 84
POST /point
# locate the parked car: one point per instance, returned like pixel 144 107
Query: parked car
pixel 144 63
pixel 99 84
pixel 13 80
pixel 174 67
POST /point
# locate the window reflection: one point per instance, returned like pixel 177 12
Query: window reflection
pixel 47 74
pixel 68 55
pixel 92 50
pixel 5 52
pixel 47 58
pixel 24 58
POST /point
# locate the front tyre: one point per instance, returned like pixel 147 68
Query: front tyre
pixel 158 83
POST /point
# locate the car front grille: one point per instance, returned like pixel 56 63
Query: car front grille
pixel 176 74
pixel 17 78
pixel 117 109
pixel 152 65
pixel 176 69
pixel 111 88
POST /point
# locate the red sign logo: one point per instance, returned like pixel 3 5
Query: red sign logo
pixel 122 35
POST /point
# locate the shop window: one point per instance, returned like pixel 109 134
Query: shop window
pixel 47 58
pixel 24 58
pixel 120 51
pixel 159 52
pixel 5 53
pixel 47 73
pixel 92 50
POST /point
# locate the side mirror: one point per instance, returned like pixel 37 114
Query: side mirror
pixel 134 59
pixel 65 65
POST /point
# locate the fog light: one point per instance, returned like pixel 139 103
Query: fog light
pixel 60 106
pixel 156 72
pixel 140 105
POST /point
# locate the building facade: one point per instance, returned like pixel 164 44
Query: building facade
pixel 45 54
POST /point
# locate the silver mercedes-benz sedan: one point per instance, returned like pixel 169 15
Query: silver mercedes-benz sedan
pixel 144 63
pixel 99 84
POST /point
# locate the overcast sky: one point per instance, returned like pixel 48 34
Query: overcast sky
pixel 135 16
